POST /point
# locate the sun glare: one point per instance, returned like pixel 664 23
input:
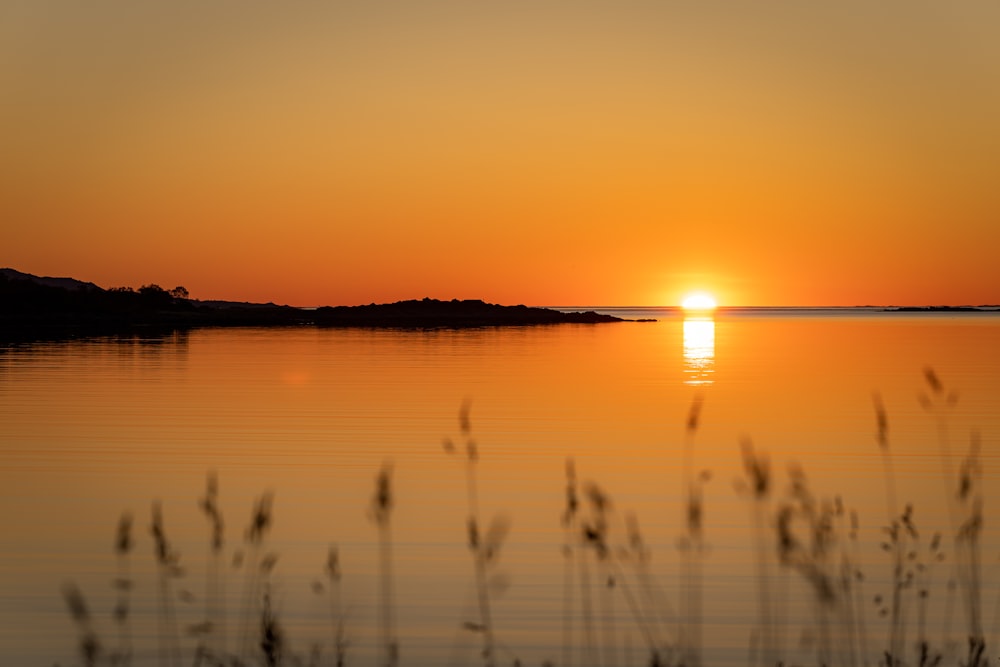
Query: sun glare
pixel 698 301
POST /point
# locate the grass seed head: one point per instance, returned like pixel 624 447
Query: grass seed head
pixel 787 542
pixel 271 637
pixel 165 556
pixel 464 423
pixel 757 468
pixel 694 415
pixel 333 563
pixel 572 502
pixel 599 500
pixel 210 506
pixel 881 422
pixel 694 513
pixel 494 538
pixel 472 530
pixel 123 537
pixel 76 603
pixel 260 519
pixel 933 381
pixel 268 562
pixel 382 503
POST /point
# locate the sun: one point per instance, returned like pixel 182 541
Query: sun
pixel 699 301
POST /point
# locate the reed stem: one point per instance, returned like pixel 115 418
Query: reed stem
pixel 123 546
pixel 382 505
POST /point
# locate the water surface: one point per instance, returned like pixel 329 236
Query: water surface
pixel 91 429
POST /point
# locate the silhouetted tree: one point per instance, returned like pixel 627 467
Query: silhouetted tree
pixel 153 295
pixel 179 292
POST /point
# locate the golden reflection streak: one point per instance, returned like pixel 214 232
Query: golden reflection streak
pixel 699 350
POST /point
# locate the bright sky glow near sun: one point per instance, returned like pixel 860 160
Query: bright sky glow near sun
pixel 818 153
pixel 699 301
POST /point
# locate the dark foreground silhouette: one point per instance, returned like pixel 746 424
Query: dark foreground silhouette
pixel 32 307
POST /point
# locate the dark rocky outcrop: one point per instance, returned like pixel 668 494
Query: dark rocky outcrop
pixel 432 313
pixel 33 308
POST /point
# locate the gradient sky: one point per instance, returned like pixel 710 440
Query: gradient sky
pixel 773 153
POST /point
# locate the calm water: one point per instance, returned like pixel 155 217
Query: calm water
pixel 92 429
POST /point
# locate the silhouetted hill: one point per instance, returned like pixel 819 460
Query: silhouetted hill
pixel 64 283
pixel 434 313
pixel 938 309
pixel 33 307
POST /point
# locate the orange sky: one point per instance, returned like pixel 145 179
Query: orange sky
pixel 783 153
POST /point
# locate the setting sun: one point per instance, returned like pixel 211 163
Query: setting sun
pixel 698 301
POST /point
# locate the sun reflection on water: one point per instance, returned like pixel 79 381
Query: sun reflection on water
pixel 699 350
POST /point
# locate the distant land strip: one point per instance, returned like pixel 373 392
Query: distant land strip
pixel 38 307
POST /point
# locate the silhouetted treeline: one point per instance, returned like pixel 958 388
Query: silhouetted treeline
pixel 32 298
pixel 31 309
pixel 430 313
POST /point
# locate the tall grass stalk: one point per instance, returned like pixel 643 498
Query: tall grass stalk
pixel 995 633
pixel 642 621
pixel 336 614
pixel 381 512
pixel 271 638
pixel 858 600
pixel 964 509
pixel 812 556
pixel 924 582
pixel 89 645
pixel 596 536
pixel 692 545
pixel 123 584
pixel 479 560
pixel 570 528
pixel 215 639
pixel 848 635
pixel 609 583
pixel 652 609
pixel 260 524
pixel 591 655
pixel 898 539
pixel 655 607
pixel 478 548
pixel 967 545
pixel 168 567
pixel 758 479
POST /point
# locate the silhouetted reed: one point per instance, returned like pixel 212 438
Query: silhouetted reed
pixel 646 608
pixel 570 527
pixel 692 545
pixel 654 610
pixel 214 639
pixel 168 567
pixel 484 548
pixel 592 653
pixel 255 565
pixel 89 645
pixel 272 643
pixel 123 585
pixel 336 614
pixel 381 513
pixel 604 642
pixel 758 488
pixel 898 543
pixel 595 536
pixel 964 510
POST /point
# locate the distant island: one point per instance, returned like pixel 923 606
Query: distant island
pixel 35 306
pixel 939 309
